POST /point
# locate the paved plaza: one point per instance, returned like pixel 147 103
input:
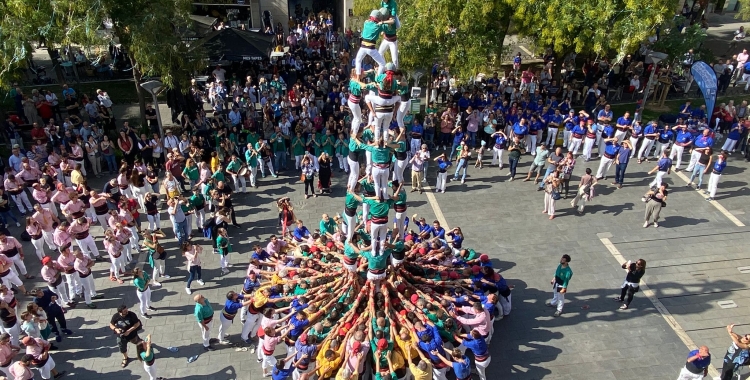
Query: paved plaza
pixel 693 260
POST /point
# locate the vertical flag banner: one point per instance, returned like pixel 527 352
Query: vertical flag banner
pixel 705 76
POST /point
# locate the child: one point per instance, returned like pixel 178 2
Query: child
pixel 480 152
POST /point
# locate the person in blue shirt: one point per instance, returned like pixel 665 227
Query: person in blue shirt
pixel 650 133
pixel 606 132
pixel 697 364
pixel 622 125
pixel 458 361
pixel 463 103
pixel 716 170
pixel 232 305
pixel 704 140
pixel 437 230
pixel 603 119
pixel 663 140
pixel 301 232
pixel 458 136
pixel 416 138
pixel 521 129
pixel 535 130
pixel 442 175
pixel 569 122
pixel 425 230
pixel 478 346
pixel 576 137
pixel 552 127
pixel 686 110
pixel 699 113
pixel 592 131
pixel 621 162
pixel 284 368
pixel 610 153
pixel 662 168
pixel 732 137
pixel 683 139
pixel 501 142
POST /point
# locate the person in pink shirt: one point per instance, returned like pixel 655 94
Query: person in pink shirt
pixel 61 196
pixel 42 197
pixel 52 273
pixel 276 246
pixel 124 183
pixel 21 370
pixel 130 222
pixel 67 166
pixel 35 232
pixel 83 265
pixel 65 263
pixel 75 208
pixel 28 174
pixel 79 229
pixel 124 235
pixel 61 237
pixel 192 252
pixel 12 249
pixel 114 249
pixel 14 187
pixel 475 317
pixel 99 204
pixel 54 160
pixel 41 360
pixel 76 155
pixel 7 352
pixel 271 338
pixel 46 220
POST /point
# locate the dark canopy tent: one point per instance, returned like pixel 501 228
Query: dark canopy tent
pixel 235 45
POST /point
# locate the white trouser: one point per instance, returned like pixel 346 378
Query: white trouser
pixel 403 107
pixel 558 299
pixel 200 218
pixel 253 175
pixel 48 238
pixel 657 181
pixel 239 183
pixel 549 204
pixel 250 326
pixel 154 221
pixel 224 261
pixel 398 172
pixel 126 256
pixel 140 194
pixel 59 290
pixel 299 372
pixel 102 219
pixel 604 166
pixel 18 261
pixel 89 289
pixel 150 370
pixel 588 145
pixel 51 207
pixel 633 144
pixel 378 232
pixel 645 148
pixel 551 137
pixel 91 214
pixel 676 154
pixel 353 173
pixel 368 162
pixel 74 284
pixel 440 374
pixel 356 116
pixel 620 135
pixel 363 51
pixel 599 141
pixel 134 237
pixel 88 247
pixel 574 145
pixel 14 333
pixel 441 179
pixel 145 299
pixel 746 79
pixel 267 361
pixel 159 269
pixel 393 47
pixel 22 199
pixel 297 161
pixel 400 228
pixel 38 247
pixel 694 156
pixel 713 183
pixel 684 373
pixel 729 145
pixel 188 223
pixel 482 367
pixel 343 164
pixel 225 323
pixel 268 163
pixel 365 212
pixel 380 177
pixel 382 123
pixel 531 143
pixel 505 304
pixel 660 148
pixel 118 264
pixel 566 137
pixel 125 192
pixel 205 333
pixel 45 371
pixel 350 225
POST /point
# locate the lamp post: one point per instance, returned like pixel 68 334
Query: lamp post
pixel 655 58
pixel 153 87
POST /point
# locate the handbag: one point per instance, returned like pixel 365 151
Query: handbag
pixel 555 195
pixel 302 178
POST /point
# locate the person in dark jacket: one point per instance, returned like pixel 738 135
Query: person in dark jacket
pixel 631 285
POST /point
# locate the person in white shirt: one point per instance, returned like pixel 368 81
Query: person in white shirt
pixel 170 141
pixel 219 73
pixel 635 84
pixel 104 99
pixel 741 61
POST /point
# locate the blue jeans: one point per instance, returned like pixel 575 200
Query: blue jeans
pixel 462 165
pixel 7 214
pixel 698 170
pixel 620 172
pixel 429 135
pixel 445 139
pixel 549 171
pixel 279 160
pixel 195 274
pixel 181 230
pixel 111 162
pixel 472 139
pixel 453 150
pixel 513 164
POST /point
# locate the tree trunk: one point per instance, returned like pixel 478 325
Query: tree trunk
pixel 137 75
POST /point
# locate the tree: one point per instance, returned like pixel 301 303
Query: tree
pixel 677 37
pixel 596 26
pixel 465 35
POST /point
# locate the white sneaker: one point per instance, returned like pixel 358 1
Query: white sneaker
pixel 156 283
pixel 188 291
pixel 166 276
pixel 224 341
pixel 645 224
pixel 201 282
pixel 656 225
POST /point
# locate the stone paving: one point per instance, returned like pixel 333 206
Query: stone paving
pixel 692 264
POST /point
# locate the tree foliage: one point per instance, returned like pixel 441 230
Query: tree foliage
pixel 594 26
pixel 464 35
pixel 677 37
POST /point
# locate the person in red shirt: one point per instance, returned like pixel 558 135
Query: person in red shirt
pixel 38 133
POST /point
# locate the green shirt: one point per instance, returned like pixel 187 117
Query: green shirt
pixel 391 6
pixel 394 84
pixel 367 186
pixel 349 251
pixel 565 274
pixel 379 209
pixel 375 262
pixel 541 156
pixel 328 142
pixel 197 201
pixel 219 175
pixel 383 359
pixel 371 30
pixel 401 146
pixel 298 147
pixel 252 138
pixel 401 198
pixel 223 247
pixel 203 311
pixel 298 291
pixel 342 148
pixel 368 136
pixel 329 227
pixel 354 146
pixel 351 202
pixel 147 358
pixel 278 144
pixel 251 159
pixel 379 155
pixel 141 282
pixel 192 173
pixel 234 165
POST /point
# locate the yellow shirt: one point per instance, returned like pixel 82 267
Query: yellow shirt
pixel 327 366
pixel 354 375
pixel 421 375
pixel 214 164
pixel 76 177
pixel 405 345
pixel 259 299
